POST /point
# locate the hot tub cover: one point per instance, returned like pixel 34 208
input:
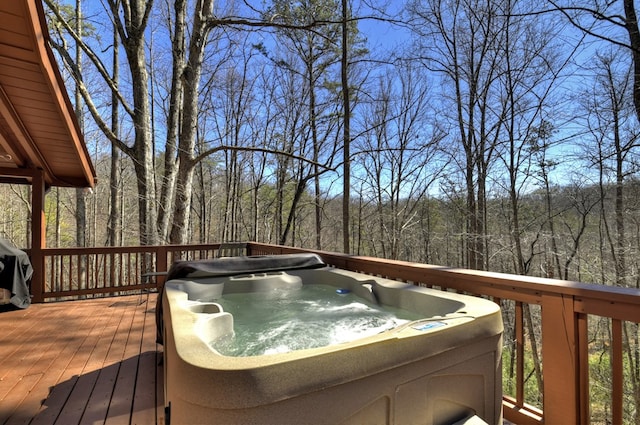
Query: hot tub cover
pixel 231 266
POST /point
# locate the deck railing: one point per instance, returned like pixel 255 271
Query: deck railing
pixel 73 272
pixel 563 312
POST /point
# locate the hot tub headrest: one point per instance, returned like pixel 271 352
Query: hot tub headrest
pixel 229 266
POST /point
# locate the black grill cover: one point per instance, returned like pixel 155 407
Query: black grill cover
pixel 15 272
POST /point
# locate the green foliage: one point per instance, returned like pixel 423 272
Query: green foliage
pixel 600 374
pixel 68 12
pixel 532 395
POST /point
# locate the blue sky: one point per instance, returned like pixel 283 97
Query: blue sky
pixel 384 37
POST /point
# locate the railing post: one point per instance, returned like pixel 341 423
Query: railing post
pixel 161 265
pixel 560 362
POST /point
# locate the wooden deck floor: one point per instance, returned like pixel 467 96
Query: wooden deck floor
pixel 81 362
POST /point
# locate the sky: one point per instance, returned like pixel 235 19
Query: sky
pixel 384 37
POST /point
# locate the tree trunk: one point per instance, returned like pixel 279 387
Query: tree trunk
pixel 631 25
pixel 189 123
pixel 81 205
pixel 143 146
pixel 114 225
pixel 133 41
pixel 316 149
pixel 344 75
pixel 168 187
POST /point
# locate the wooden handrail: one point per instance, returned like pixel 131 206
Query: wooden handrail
pixel 565 308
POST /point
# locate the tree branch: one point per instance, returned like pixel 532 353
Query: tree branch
pixel 598 15
pixel 75 72
pixel 90 54
pixel 263 150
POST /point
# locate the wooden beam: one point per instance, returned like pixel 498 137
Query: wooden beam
pixel 38 235
pixel 560 362
pixel 162 266
pixel 21 133
pixel 57 88
pixel 11 155
pixel 617 378
pixel 583 354
pixel 17 172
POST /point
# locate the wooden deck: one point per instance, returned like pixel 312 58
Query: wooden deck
pixel 81 362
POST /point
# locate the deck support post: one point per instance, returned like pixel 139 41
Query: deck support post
pixel 560 362
pixel 162 265
pixel 38 235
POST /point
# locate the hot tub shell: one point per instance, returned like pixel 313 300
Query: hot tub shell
pixel 436 370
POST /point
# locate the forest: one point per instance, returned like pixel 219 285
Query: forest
pixel 498 135
pixel 495 135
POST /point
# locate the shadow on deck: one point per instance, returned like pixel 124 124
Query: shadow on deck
pixel 90 361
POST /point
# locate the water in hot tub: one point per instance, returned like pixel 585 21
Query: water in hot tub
pixel 313 316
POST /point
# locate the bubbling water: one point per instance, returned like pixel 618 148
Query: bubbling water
pixel 313 316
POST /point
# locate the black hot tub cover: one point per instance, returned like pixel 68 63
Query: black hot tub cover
pixel 230 266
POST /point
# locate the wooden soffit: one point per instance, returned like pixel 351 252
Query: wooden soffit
pixel 38 126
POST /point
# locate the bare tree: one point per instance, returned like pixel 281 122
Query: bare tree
pixel 130 20
pixel 190 71
pixel 398 156
pixel 81 205
pixel 114 224
pixel 532 61
pixel 460 40
pixel 615 22
pixel 346 105
pixel 614 132
pixel 615 137
pixel 317 51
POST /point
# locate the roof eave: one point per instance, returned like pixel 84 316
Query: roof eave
pixel 58 91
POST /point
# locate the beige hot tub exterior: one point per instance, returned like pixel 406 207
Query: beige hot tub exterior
pixel 402 376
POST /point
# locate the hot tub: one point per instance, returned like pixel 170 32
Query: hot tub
pixel 438 364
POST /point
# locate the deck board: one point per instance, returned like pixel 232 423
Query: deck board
pixel 91 361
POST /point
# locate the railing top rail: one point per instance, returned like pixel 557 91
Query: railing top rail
pixel 592 298
pixel 525 288
pixel 122 249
